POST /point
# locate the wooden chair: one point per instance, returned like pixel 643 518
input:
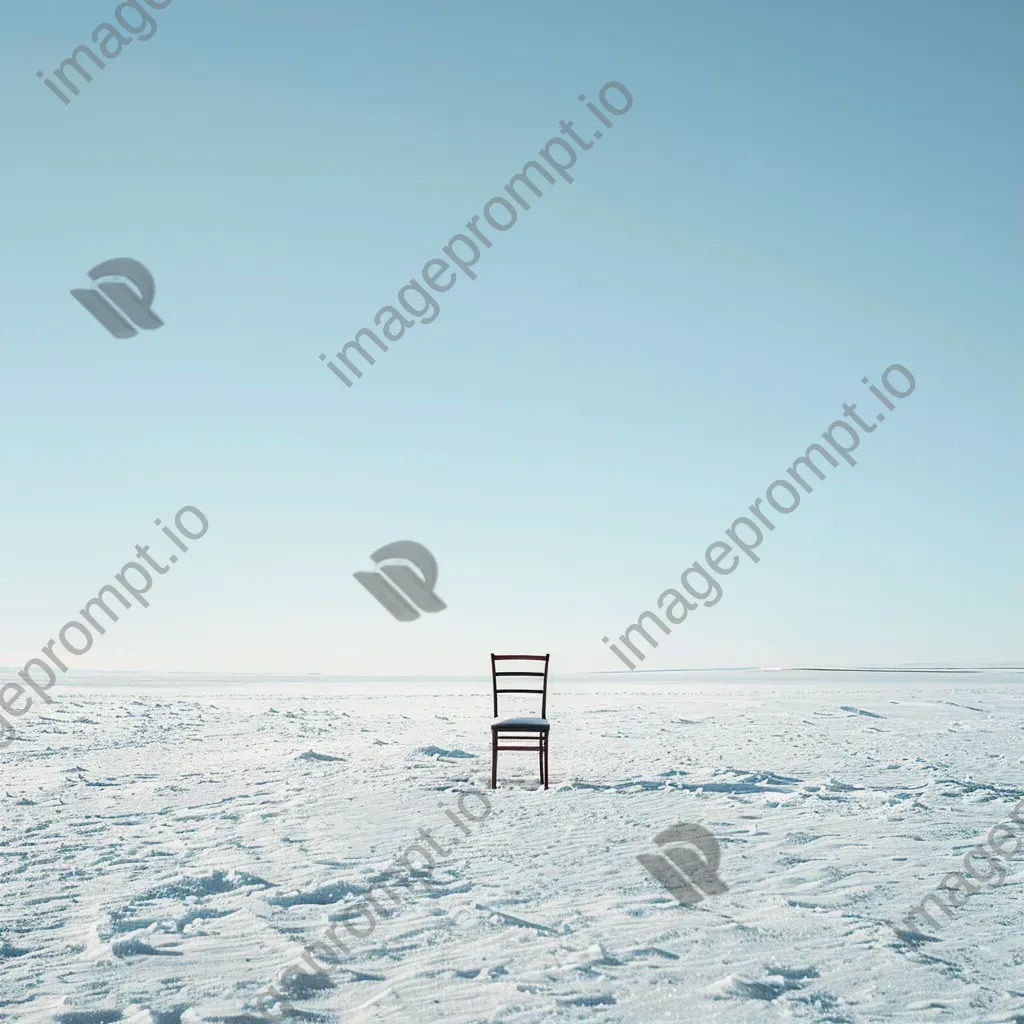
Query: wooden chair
pixel 519 728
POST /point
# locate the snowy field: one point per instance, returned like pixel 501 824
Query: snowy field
pixel 168 847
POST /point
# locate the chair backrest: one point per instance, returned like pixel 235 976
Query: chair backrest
pixel 522 673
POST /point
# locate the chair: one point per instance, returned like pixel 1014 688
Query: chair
pixel 514 728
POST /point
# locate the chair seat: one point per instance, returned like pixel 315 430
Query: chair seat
pixel 522 724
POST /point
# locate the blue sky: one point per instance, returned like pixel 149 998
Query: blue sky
pixel 800 196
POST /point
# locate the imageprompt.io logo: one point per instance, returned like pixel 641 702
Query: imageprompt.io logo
pixel 685 871
pixel 403 591
pixel 132 304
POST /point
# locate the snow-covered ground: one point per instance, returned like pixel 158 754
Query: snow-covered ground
pixel 168 847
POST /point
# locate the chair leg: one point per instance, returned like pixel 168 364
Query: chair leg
pixel 547 759
pixel 540 755
pixel 494 761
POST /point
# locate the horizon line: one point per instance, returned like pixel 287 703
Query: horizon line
pixel 895 669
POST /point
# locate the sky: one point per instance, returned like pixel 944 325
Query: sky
pixel 800 196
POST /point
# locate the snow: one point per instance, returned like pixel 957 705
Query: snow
pixel 170 846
